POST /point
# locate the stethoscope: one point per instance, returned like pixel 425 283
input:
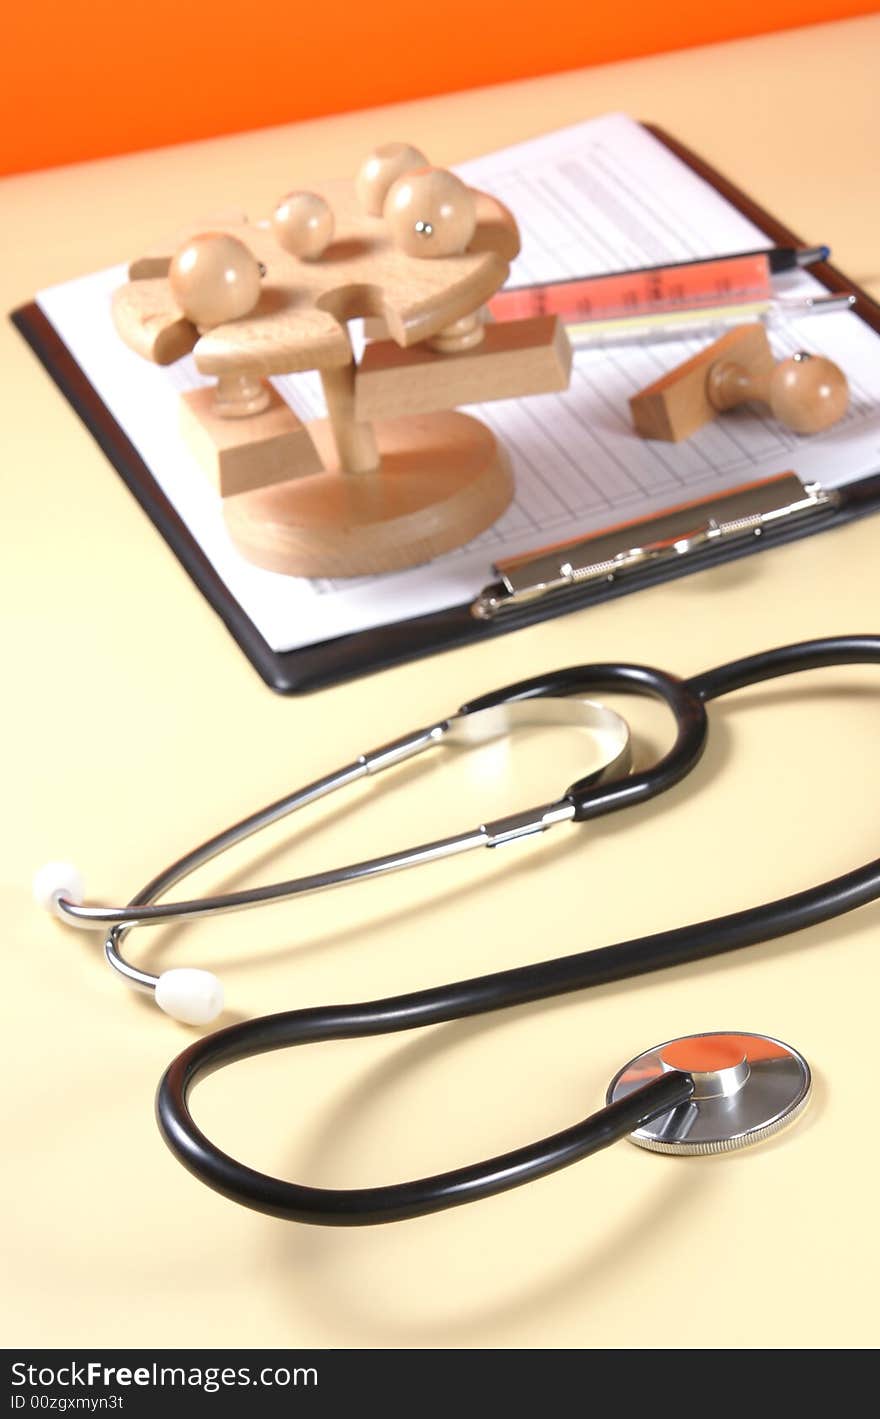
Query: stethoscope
pixel 701 1094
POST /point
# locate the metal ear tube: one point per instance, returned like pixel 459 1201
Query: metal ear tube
pixel 194 996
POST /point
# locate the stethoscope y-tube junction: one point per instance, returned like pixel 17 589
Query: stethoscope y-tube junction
pixel 196 997
pixel 674 1091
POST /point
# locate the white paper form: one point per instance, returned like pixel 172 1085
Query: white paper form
pixel 601 196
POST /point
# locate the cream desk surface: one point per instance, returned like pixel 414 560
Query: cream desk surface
pixel 134 728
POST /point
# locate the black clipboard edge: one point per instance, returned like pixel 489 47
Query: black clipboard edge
pixel 346 657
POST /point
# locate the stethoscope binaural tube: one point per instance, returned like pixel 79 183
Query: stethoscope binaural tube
pixel 196 996
pixel 672 1092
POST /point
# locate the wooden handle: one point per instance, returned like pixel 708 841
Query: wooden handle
pixel 382 168
pixel 806 393
pixel 430 213
pixel 214 278
pixel 729 383
pixel 304 224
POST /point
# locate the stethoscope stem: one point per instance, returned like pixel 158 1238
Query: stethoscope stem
pixel 500 990
pixel 361 1207
pixel 785 660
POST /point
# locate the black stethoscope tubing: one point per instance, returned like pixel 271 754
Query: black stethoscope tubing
pixel 499 990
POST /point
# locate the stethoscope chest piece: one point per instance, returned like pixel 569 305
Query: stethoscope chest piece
pixel 747 1087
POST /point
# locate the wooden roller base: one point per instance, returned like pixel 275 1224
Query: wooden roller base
pixel 443 479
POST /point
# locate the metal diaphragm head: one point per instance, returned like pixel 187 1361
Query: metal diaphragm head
pixel 746 1088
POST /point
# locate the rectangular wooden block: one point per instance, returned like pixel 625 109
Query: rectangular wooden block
pixel 516 357
pixel 677 405
pixel 242 454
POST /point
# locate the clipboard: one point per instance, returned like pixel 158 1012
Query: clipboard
pixel 346 657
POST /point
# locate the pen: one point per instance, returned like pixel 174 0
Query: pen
pixel 704 324
pixel 657 290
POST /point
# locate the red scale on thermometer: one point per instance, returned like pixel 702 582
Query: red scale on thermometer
pixel 656 298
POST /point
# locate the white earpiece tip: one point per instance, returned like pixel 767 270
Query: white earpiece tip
pixel 54 880
pixel 195 997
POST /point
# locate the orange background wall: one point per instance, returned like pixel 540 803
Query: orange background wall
pixel 110 76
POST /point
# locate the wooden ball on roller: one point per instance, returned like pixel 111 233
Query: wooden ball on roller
pixel 382 168
pixel 431 213
pixel 808 393
pixel 304 224
pixel 214 278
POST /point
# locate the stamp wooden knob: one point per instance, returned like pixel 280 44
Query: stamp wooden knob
pixel 382 168
pixel 304 224
pixel 214 278
pixel 431 213
pixel 808 393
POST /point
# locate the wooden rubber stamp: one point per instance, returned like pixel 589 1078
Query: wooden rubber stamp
pixel 394 475
pixel 806 393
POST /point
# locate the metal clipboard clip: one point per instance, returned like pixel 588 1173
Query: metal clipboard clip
pixel 618 552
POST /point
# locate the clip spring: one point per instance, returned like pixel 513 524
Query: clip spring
pixel 569 565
